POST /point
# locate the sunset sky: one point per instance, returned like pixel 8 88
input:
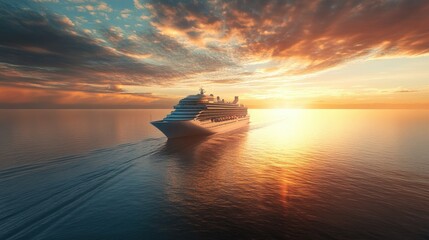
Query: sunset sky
pixel 273 54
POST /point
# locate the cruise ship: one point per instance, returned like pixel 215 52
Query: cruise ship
pixel 203 114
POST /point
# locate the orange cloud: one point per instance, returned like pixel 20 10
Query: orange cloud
pixel 19 97
pixel 260 45
pixel 321 34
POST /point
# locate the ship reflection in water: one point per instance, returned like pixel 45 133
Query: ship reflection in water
pixel 301 174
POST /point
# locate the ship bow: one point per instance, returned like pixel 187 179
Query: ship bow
pixel 175 129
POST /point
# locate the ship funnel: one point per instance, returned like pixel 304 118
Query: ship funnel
pixel 235 100
pixel 218 98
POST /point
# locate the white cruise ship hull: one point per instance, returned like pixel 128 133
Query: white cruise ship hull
pixel 176 129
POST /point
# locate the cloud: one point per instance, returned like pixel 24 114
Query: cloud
pixel 167 51
pixel 195 20
pixel 46 50
pixel 406 91
pixel 102 6
pixel 320 34
pixel 125 13
pixel 49 1
pixel 193 42
pixel 25 97
pixel 138 4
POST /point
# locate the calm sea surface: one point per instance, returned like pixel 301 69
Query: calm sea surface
pixel 292 174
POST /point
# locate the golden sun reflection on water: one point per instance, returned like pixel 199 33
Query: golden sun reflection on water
pixel 282 155
pixel 291 174
pixel 239 161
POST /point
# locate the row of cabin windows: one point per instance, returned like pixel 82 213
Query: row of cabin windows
pixel 226 118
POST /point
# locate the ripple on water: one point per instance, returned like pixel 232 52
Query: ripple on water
pixel 312 175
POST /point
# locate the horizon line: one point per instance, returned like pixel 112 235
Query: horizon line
pixel 292 108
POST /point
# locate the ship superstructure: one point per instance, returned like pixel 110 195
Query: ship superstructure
pixel 203 114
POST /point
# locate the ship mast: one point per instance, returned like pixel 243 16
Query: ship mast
pixel 202 91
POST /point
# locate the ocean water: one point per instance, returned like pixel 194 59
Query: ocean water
pixel 292 174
